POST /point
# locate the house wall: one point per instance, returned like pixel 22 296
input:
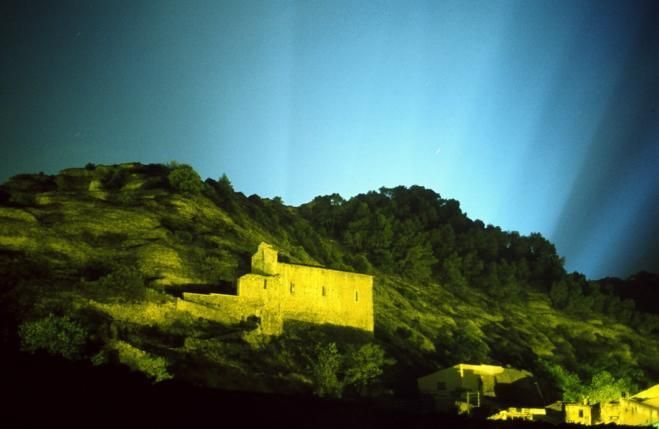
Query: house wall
pixel 518 413
pixel 264 261
pixel 578 413
pixel 448 385
pixel 276 292
pixel 314 295
pixel 626 412
pixel 475 378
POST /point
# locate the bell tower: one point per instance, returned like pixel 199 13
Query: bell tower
pixel 264 261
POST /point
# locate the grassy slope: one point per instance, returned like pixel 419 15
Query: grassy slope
pixel 172 239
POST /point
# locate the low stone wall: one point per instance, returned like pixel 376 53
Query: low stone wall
pixel 205 311
pixel 232 309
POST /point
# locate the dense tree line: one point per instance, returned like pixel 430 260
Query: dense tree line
pixel 415 233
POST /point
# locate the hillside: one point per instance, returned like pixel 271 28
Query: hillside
pixel 100 254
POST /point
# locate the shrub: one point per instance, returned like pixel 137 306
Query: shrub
pixel 125 282
pixel 184 179
pixel 56 335
pixel 333 371
pixel 324 371
pixel 364 367
pixel 4 195
pixel 127 198
pixel 115 179
pixel 153 366
pixel 23 198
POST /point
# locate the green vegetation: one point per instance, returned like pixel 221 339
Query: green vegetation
pixel 357 369
pixel 124 283
pixel 325 368
pixel 603 386
pixel 153 366
pixel 101 246
pixel 115 179
pixel 184 179
pixel 56 335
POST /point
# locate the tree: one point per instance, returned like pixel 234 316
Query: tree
pixel 224 184
pixel 333 371
pixel 418 262
pixel 56 335
pixel 115 179
pixel 324 371
pixel 604 387
pixel 124 282
pixel 468 344
pixel 184 179
pixel 559 294
pixel 452 272
pixel 568 382
pixel 364 366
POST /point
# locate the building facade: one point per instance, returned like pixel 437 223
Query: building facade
pixel 277 292
pixel 641 409
pixel 465 386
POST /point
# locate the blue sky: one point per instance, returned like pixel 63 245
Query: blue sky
pixel 538 116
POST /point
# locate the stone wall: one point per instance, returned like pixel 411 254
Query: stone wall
pixel 579 414
pixel 627 412
pixel 276 291
pixel 315 295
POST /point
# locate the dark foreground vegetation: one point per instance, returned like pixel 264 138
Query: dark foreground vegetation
pixel 43 391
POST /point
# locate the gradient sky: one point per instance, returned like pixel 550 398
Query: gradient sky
pixel 538 116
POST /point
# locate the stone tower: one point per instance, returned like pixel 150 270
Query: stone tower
pixel 264 261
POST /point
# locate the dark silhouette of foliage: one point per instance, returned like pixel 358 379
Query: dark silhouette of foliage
pixel 184 179
pixel 415 233
pixel 115 179
pixel 124 282
pixel 5 195
pixel 56 335
pixel 333 371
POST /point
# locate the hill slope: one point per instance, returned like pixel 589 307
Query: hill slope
pixel 100 253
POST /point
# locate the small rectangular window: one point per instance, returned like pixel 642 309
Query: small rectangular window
pixel 292 288
pixel 580 413
pixel 265 284
pixel 356 296
pixel 323 291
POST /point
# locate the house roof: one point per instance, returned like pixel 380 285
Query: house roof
pixel 504 375
pixel 649 397
pixel 651 393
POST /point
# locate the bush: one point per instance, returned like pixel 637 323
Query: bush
pixel 56 335
pixel 324 371
pixel 128 198
pixel 333 371
pixel 5 196
pixel 115 179
pixel 364 367
pixel 184 179
pixel 124 282
pixel 23 198
pixel 153 366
